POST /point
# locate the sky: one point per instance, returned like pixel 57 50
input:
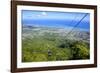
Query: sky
pixel 56 19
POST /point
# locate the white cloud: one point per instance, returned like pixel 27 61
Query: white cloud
pixel 44 13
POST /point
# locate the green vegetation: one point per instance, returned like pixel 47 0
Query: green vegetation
pixel 52 48
pixel 53 44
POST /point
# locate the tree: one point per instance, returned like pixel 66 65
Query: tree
pixel 80 51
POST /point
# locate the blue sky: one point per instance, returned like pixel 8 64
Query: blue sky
pixel 55 19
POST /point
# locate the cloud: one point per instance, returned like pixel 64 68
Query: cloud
pixel 42 14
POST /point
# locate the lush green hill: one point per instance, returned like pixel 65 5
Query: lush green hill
pixel 53 44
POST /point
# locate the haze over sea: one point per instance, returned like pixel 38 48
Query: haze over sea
pixel 56 19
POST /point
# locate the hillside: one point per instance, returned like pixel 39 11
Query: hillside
pixel 53 44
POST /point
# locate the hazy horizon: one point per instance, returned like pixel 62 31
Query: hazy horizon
pixel 55 19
